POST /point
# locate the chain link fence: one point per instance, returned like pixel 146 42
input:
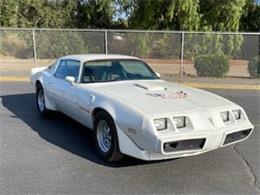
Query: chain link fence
pixel 171 53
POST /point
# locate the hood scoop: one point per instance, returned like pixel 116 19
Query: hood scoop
pixel 150 87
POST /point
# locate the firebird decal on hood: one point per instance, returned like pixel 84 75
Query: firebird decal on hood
pixel 168 95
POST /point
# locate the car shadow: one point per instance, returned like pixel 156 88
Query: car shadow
pixel 60 130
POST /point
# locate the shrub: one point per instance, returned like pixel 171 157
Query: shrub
pixel 54 44
pixel 254 67
pixel 214 65
pixel 204 44
pixel 16 44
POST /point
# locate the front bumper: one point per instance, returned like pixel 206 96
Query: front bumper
pixel 197 143
pixel 192 143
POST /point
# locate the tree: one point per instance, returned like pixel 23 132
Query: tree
pixel 8 13
pixel 160 14
pixel 220 15
pixel 51 14
pixel 95 13
pixel 191 15
pixel 250 20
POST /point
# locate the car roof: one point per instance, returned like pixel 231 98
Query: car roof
pixel 89 57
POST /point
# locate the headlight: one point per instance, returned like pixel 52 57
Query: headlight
pixel 160 124
pixel 225 116
pixel 180 121
pixel 237 114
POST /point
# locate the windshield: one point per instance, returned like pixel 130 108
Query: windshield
pixel 116 70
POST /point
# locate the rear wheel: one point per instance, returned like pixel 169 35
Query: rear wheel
pixel 40 101
pixel 106 139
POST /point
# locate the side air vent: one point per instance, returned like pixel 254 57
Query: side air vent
pixel 150 87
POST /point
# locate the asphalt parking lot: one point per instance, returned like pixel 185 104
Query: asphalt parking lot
pixel 56 155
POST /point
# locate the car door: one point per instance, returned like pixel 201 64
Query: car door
pixel 48 81
pixel 82 106
pixel 63 92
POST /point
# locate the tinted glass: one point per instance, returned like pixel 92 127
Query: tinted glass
pixel 53 65
pixel 116 70
pixel 68 68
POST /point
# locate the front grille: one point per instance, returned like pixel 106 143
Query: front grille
pixel 232 137
pixel 193 144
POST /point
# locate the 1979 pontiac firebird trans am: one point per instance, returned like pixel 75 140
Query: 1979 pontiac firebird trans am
pixel 134 112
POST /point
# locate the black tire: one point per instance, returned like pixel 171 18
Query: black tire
pixel 43 111
pixel 113 154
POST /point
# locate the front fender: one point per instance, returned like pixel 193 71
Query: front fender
pixel 36 74
pixel 127 120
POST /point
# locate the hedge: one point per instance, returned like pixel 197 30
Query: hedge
pixel 254 67
pixel 213 65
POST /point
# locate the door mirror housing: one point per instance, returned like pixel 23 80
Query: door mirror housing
pixel 70 79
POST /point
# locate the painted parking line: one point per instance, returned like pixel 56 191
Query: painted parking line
pixel 7 78
pixel 222 86
pixel 191 84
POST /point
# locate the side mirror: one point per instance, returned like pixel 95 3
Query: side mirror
pixel 70 79
pixel 158 74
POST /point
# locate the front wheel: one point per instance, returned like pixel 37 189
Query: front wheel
pixel 106 139
pixel 40 102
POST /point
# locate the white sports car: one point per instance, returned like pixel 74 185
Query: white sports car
pixel 134 112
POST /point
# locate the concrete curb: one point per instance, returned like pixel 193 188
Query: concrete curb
pixel 191 84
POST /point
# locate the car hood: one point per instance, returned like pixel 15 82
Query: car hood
pixel 158 96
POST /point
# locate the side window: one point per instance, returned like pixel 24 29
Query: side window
pixel 53 65
pixel 67 68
